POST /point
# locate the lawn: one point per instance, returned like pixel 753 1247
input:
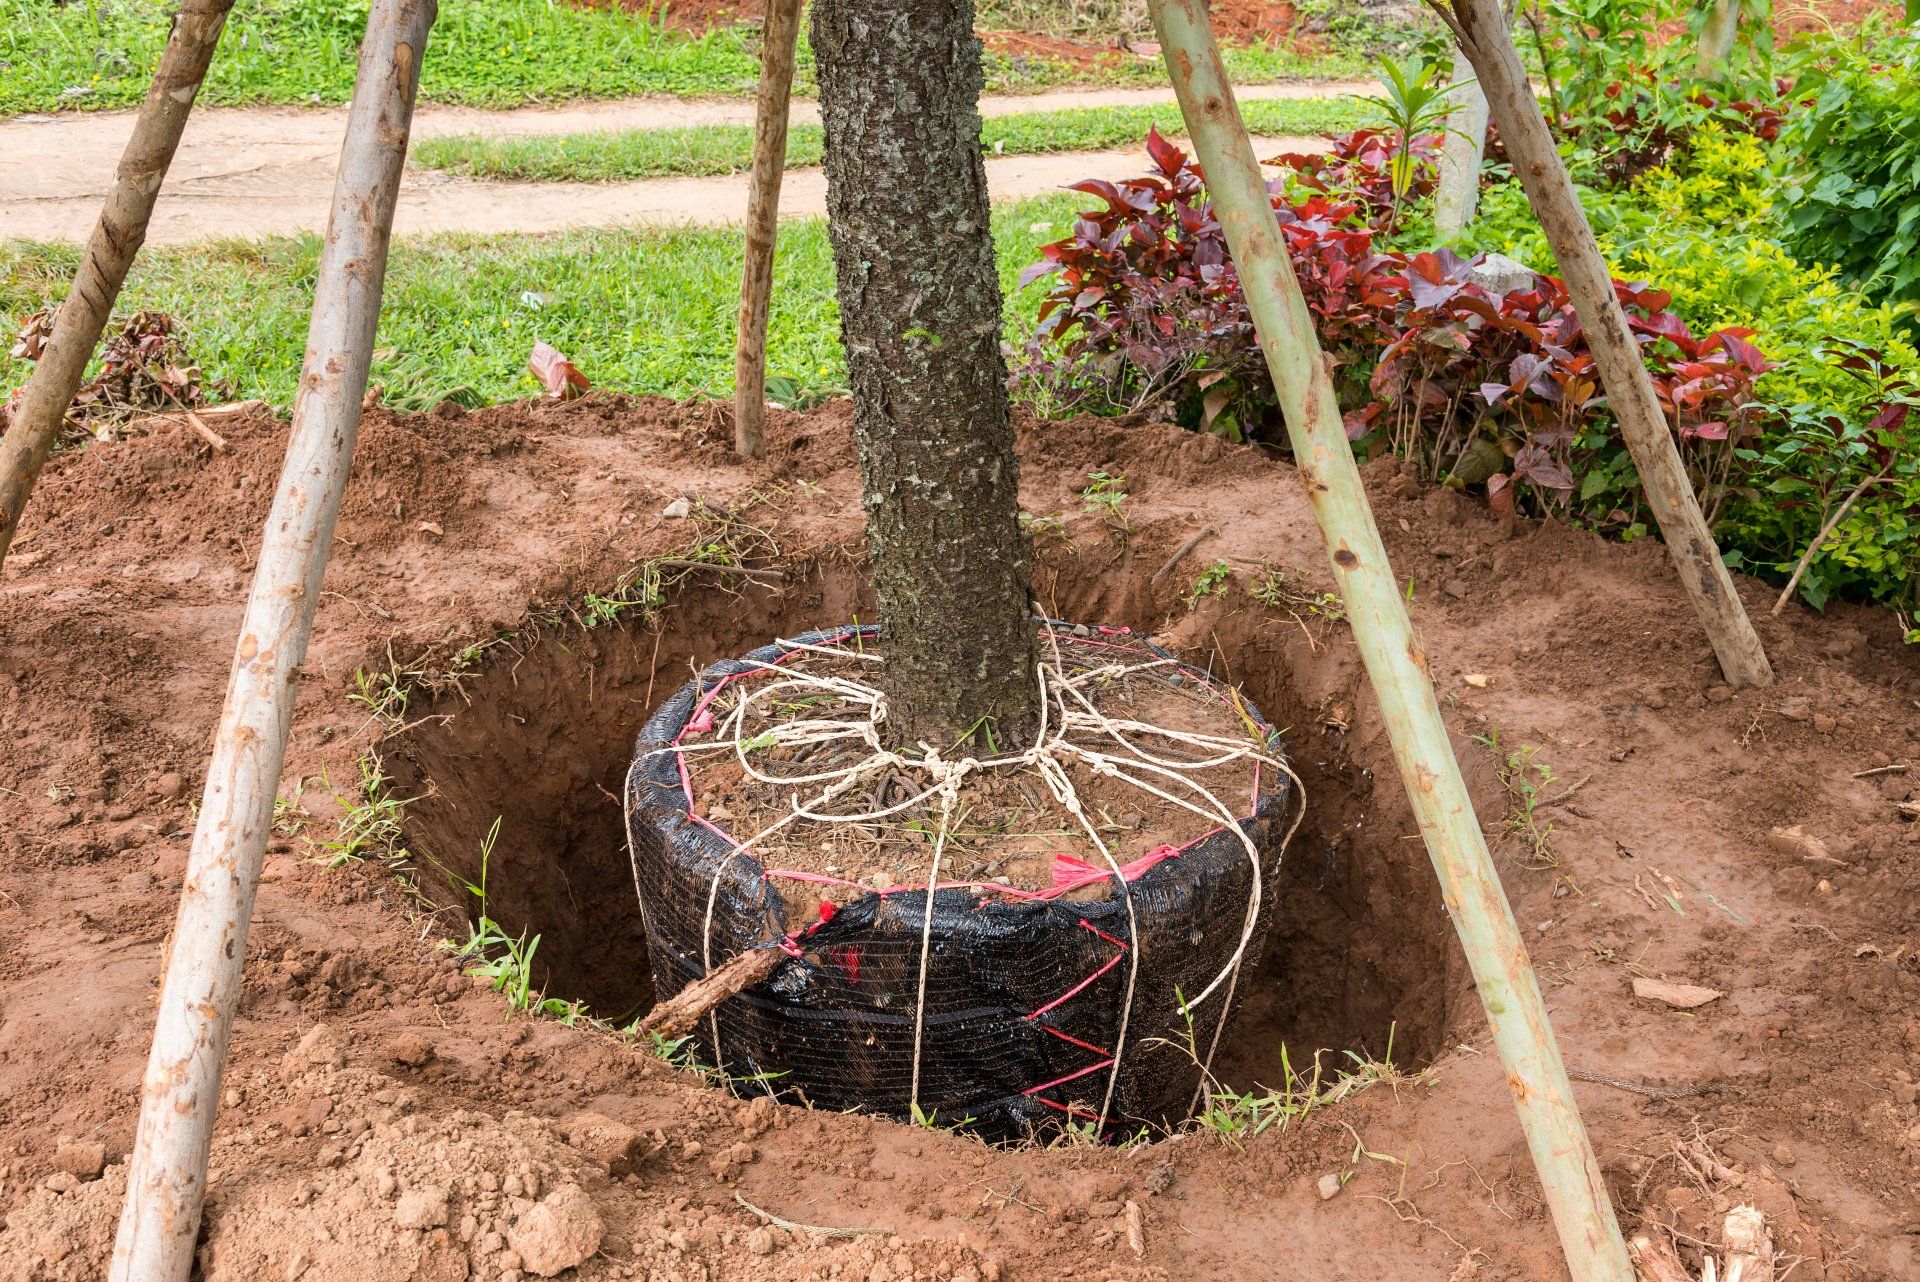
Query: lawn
pixel 638 310
pixel 704 150
pixel 489 53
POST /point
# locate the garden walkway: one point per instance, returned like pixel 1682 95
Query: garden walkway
pixel 263 171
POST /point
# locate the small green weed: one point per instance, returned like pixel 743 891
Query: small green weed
pixel 1106 497
pixel 370 824
pixel 1212 581
pixel 1526 778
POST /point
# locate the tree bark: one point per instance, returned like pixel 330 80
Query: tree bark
pixel 1481 31
pixel 778 36
pixel 920 315
pixel 117 237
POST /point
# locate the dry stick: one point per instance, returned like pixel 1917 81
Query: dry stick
pixel 166 1181
pixel 777 40
pixel 1187 545
pixel 1482 33
pixel 679 1013
pixel 117 237
pixel 1395 661
pixel 1806 558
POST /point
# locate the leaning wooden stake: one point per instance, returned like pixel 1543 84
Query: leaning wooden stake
pixel 166 1180
pixel 777 40
pixel 117 237
pixel 1481 31
pixel 1461 156
pixel 1462 153
pixel 1717 37
pixel 1394 659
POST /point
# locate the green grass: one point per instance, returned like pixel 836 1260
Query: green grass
pixel 489 53
pixel 95 54
pixel 703 150
pixel 639 310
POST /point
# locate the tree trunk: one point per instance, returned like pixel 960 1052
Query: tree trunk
pixel 1481 31
pixel 920 316
pixel 117 237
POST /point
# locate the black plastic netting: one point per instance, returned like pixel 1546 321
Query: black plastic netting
pixel 1023 997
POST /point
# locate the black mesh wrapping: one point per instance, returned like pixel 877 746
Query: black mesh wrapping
pixel 833 1028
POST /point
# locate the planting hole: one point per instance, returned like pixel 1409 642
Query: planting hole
pixel 540 737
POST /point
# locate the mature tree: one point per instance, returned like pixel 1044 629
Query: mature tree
pixel 920 313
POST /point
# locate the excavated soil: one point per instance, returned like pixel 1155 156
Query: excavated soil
pixel 385 1116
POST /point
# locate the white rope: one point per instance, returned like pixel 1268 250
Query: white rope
pixel 1052 750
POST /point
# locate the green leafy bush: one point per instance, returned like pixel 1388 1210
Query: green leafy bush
pixel 1703 227
pixel 1852 192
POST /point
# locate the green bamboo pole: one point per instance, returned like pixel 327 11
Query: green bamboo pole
pixel 1395 661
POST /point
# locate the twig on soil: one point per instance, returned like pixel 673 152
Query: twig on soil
pixel 792 1227
pixel 1187 545
pixel 1897 768
pixel 678 1014
pixel 1563 798
pixel 1641 1088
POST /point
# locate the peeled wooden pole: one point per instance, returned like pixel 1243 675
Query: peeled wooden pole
pixel 770 109
pixel 1717 36
pixel 117 237
pixel 1461 155
pixel 1395 662
pixel 1481 31
pixel 1463 152
pixel 166 1180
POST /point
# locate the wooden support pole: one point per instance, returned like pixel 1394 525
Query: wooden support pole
pixel 1481 30
pixel 778 38
pixel 1395 661
pixel 117 237
pixel 166 1180
pixel 1461 155
pixel 1717 37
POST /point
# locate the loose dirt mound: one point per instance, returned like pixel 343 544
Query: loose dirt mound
pixel 424 1131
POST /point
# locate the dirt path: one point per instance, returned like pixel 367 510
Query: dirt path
pixel 262 171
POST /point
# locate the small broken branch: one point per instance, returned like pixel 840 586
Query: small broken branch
pixel 792 1226
pixel 1806 558
pixel 1187 545
pixel 677 1015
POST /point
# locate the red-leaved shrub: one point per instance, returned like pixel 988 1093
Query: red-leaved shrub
pixel 1476 384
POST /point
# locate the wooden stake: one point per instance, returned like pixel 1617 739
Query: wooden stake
pixel 117 237
pixel 1462 153
pixel 166 1180
pixel 778 38
pixel 1461 156
pixel 680 1012
pixel 1717 37
pixel 1395 661
pixel 1481 31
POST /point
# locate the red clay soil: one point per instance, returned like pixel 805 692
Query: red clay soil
pixel 387 1117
